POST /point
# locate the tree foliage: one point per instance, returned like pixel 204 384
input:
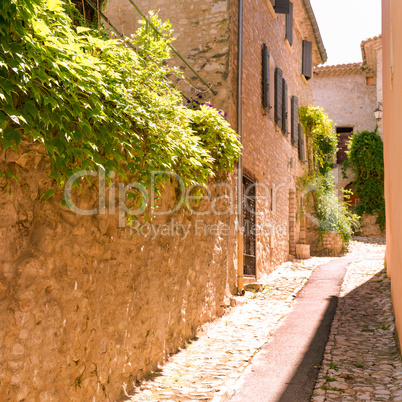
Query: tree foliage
pixel 95 103
pixel 367 159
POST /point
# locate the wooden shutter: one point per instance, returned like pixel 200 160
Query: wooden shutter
pixel 278 97
pixel 289 25
pixel 282 6
pixel 295 120
pixel 302 144
pixel 284 107
pixel 307 63
pixel 265 78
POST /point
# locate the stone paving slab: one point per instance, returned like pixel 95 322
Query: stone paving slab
pixel 361 360
pixel 213 362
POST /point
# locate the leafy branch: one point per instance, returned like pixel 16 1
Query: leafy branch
pixel 95 104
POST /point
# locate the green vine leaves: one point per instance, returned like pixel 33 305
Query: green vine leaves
pixel 367 159
pixel 331 212
pixel 96 104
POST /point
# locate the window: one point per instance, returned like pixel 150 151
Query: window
pixel 282 6
pixel 265 78
pixel 278 96
pixel 344 135
pixel 249 223
pixel 294 129
pixel 289 25
pixel 370 81
pixel 307 62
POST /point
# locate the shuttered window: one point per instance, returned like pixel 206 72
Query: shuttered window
pixel 302 144
pixel 307 63
pixel 295 121
pixel 282 6
pixel 265 78
pixel 278 97
pixel 289 25
pixel 284 107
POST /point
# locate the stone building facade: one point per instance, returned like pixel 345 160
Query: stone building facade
pixel 350 93
pixel 88 306
pixel 206 35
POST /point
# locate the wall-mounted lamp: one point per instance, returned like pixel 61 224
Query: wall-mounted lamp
pixel 378 112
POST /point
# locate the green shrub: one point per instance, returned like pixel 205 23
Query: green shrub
pixel 366 157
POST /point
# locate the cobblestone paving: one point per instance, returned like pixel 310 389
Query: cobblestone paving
pixel 361 360
pixel 223 348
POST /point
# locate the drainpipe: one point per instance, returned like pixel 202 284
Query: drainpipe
pixel 240 229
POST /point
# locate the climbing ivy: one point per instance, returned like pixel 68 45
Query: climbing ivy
pixel 322 140
pixel 94 103
pixel 366 157
pixel 331 213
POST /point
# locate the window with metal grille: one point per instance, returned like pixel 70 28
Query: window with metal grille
pixel 249 224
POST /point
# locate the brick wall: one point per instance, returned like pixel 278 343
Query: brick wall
pixel 207 36
pixel 267 152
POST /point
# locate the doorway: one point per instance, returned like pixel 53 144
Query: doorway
pixel 249 224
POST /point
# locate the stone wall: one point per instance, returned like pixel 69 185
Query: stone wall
pixel 347 100
pixel 84 305
pixel 369 226
pixel 202 32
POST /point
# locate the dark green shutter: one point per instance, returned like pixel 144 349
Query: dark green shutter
pixel 278 97
pixel 265 78
pixel 307 63
pixel 284 107
pixel 289 25
pixel 282 6
pixel 302 144
pixel 295 120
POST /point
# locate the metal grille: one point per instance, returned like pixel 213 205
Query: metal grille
pixel 249 223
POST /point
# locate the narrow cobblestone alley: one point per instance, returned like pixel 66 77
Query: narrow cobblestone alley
pixel 361 360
